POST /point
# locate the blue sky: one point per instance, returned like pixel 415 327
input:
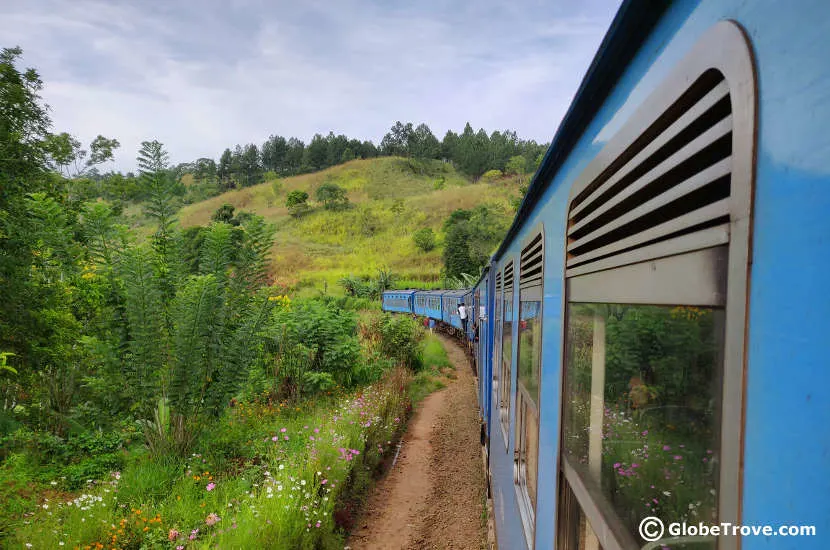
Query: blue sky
pixel 202 76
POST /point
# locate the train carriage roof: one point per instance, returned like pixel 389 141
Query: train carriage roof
pixel 407 292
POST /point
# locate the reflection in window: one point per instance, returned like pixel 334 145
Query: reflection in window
pixel 642 404
pixel 506 356
pixel 530 347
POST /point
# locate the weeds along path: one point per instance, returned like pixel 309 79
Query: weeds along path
pixel 434 497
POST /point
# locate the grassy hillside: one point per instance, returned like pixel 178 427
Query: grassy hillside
pixel 390 198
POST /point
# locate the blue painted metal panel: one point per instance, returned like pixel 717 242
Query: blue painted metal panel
pixel 787 428
pixel 398 301
pixel 432 304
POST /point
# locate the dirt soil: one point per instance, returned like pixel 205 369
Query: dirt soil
pixel 434 497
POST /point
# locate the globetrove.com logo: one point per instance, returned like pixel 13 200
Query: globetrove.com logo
pixel 653 529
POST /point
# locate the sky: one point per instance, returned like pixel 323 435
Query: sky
pixel 201 76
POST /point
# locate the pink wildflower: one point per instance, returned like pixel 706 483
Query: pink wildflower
pixel 211 486
pixel 212 519
pixel 283 430
pixel 172 535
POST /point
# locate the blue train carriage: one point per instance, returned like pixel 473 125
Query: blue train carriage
pixel 450 301
pixel 398 301
pixel 658 339
pixel 469 304
pixel 427 303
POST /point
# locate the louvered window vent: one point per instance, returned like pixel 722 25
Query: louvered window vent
pixel 508 277
pixel 666 193
pixel 531 264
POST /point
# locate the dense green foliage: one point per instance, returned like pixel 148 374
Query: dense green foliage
pixel 424 239
pixel 471 236
pixel 332 196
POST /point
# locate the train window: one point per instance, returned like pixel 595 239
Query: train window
pixel 506 360
pixel 527 387
pixel 496 357
pixel 656 282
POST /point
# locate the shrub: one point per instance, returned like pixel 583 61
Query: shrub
pixel 296 203
pixel 328 336
pixel 397 337
pixel 424 239
pixel 491 175
pixel 332 196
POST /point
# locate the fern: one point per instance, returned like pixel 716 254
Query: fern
pixel 239 352
pixel 197 314
pixel 217 250
pixel 253 257
pixel 144 310
pixel 104 238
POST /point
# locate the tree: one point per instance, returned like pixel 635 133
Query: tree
pixel 294 156
pixel 423 144
pixel 274 152
pixel 297 204
pixel 424 239
pixel 396 141
pixel 249 165
pixel 224 214
pixel 223 170
pixel 101 150
pixel 64 150
pixel 161 207
pixel 332 196
pixel 517 165
pixel 315 156
pixel 471 236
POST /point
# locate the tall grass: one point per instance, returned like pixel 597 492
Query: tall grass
pixel 271 477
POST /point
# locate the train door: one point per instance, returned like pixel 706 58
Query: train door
pixel 496 354
pixel 506 354
pixel 529 367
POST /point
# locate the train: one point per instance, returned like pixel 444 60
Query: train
pixel 652 335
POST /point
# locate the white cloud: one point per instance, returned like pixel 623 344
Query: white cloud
pixel 201 77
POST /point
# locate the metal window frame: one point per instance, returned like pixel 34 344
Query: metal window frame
pixel 724 47
pixel 507 376
pixel 527 510
pixel 496 358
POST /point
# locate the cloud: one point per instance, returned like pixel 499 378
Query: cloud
pixel 202 76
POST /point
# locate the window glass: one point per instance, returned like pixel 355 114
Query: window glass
pixel 530 347
pixel 507 331
pixel 642 407
pixel 530 448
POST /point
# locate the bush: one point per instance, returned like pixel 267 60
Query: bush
pixel 491 175
pixel 424 239
pixel 314 337
pixel 397 337
pixel 332 196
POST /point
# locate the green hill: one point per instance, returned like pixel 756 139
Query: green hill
pixel 390 198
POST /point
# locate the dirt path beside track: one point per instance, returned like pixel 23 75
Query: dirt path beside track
pixel 434 497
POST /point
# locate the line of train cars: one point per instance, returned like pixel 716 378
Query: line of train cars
pixel 439 305
pixel 656 336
